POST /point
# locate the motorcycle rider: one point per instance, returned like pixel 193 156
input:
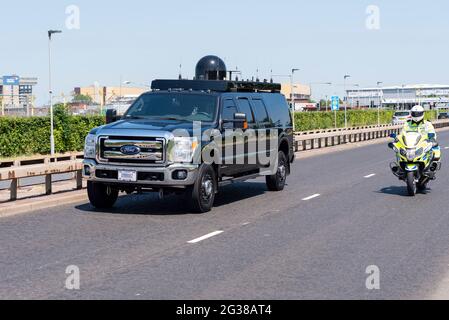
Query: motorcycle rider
pixel 418 124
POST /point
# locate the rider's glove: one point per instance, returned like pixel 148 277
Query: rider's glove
pixel 433 142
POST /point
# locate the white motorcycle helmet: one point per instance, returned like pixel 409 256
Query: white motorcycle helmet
pixel 417 114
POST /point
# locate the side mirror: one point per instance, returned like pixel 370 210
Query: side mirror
pixel 240 121
pixel 393 136
pixel 111 116
pixel 431 136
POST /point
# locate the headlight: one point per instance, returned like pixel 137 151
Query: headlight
pixel 183 150
pixel 411 154
pixel 419 152
pixel 403 153
pixel 90 147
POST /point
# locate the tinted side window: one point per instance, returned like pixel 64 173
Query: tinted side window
pixel 229 109
pixel 245 107
pixel 278 109
pixel 260 111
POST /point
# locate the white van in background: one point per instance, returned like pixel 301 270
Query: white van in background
pixel 401 117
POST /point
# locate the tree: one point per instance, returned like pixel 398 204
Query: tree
pixel 82 98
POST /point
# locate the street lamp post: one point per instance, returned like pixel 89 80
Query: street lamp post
pixel 346 100
pixel 292 89
pixel 143 85
pixel 52 136
pixel 357 93
pixel 380 102
pixel 319 83
pixel 293 99
pixel 403 97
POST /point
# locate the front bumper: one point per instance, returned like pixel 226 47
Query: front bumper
pixel 165 174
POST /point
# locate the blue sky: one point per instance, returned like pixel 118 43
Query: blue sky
pixel 143 40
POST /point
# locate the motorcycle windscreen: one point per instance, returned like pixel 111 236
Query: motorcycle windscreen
pixel 411 139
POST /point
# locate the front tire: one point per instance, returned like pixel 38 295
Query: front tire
pixel 411 184
pixel 101 196
pixel 202 193
pixel 277 182
pixel 422 187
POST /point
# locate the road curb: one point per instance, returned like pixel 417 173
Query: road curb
pixel 304 154
pixel 28 205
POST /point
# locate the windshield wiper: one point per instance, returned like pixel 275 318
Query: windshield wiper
pixel 171 118
pixel 135 117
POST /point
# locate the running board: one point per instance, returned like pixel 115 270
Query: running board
pixel 239 179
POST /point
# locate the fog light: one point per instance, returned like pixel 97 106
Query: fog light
pixel 180 175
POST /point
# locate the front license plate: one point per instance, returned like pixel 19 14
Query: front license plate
pixel 127 176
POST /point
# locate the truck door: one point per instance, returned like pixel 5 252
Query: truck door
pixel 228 158
pixel 263 126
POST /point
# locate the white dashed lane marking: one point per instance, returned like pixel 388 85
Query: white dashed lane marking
pixel 370 176
pixel 311 197
pixel 207 236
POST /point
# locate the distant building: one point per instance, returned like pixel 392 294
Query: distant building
pixel 400 97
pixel 107 95
pixel 16 92
pixel 301 94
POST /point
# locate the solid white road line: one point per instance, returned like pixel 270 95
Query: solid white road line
pixel 311 197
pixel 207 236
pixel 370 176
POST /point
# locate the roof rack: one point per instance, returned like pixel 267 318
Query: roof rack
pixel 216 86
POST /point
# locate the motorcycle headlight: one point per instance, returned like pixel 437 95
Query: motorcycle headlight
pixel 184 149
pixel 90 147
pixel 411 154
pixel 403 153
pixel 419 152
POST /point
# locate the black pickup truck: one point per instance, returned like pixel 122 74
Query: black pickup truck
pixel 191 137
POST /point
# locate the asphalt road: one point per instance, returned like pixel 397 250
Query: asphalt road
pixel 264 245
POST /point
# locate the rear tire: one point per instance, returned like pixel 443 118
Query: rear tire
pixel 202 193
pixel 411 184
pixel 101 196
pixel 277 182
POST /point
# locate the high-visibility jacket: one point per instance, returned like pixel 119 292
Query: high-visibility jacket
pixel 424 127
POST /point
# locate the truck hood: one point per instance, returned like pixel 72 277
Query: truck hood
pixel 147 126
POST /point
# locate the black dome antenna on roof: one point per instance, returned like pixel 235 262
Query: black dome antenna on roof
pixel 211 68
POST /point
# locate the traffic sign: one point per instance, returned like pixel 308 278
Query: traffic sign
pixel 11 80
pixel 335 103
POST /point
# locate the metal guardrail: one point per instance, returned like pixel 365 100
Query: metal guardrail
pixel 15 169
pixel 327 138
pixel 37 166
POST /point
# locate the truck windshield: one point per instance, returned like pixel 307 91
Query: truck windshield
pixel 174 106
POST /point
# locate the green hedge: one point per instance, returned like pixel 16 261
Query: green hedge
pixel 30 136
pixel 306 121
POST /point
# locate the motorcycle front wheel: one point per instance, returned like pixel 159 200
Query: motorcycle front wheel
pixel 411 184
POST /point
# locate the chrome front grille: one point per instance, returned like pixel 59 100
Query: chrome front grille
pixel 145 150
